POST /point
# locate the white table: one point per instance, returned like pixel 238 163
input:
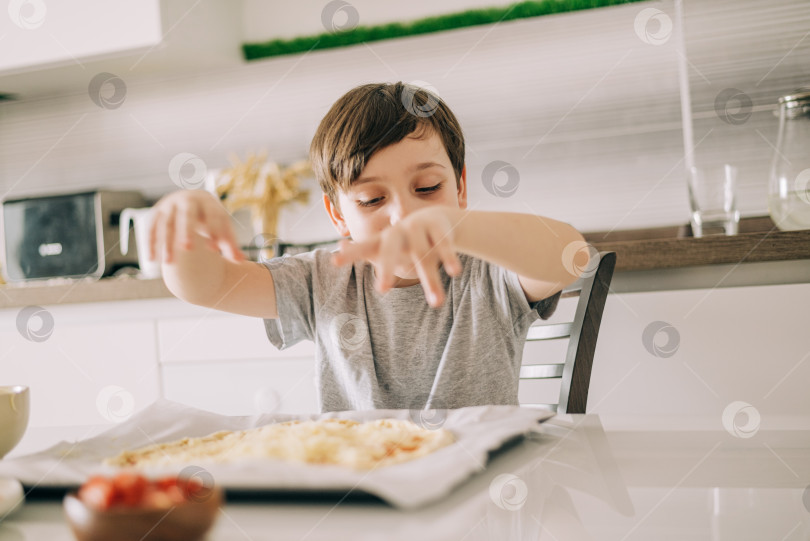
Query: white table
pixel 573 481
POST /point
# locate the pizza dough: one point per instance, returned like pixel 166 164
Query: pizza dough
pixel 329 441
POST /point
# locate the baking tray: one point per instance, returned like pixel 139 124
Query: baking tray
pixel 479 431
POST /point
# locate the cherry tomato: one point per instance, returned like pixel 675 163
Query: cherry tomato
pixel 154 498
pixel 194 488
pixel 129 488
pixel 166 482
pixel 98 492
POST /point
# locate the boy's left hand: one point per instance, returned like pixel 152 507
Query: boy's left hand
pixel 418 243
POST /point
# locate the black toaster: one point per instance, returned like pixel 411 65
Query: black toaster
pixel 66 236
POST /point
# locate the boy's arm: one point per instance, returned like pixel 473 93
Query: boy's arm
pixel 546 254
pixel 201 261
pixel 204 277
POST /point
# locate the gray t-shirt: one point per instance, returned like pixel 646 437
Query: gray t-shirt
pixel 395 351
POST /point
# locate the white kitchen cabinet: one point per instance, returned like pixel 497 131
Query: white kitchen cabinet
pixel 109 49
pixel 725 345
pixel 714 347
pixel 214 336
pixel 106 361
pixel 39 34
pixel 225 363
pixel 244 387
pixel 87 373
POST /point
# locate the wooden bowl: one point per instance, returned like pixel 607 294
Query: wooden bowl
pixel 188 521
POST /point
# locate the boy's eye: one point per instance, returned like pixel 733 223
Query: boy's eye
pixel 429 188
pixel 376 200
pixel 370 202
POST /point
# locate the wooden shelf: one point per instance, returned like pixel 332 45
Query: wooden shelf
pixel 666 248
pixel 690 252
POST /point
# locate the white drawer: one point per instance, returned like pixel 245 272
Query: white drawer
pixel 85 374
pixel 216 336
pixel 245 387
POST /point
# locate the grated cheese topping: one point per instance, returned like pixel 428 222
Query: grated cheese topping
pixel 329 441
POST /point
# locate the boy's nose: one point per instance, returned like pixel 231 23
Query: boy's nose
pixel 399 210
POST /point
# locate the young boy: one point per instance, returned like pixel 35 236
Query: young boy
pixel 390 161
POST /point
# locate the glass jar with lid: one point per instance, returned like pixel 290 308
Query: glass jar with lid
pixel 789 190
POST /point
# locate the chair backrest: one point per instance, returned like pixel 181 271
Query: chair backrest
pixel 582 333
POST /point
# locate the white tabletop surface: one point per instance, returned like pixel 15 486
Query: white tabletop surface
pixel 572 481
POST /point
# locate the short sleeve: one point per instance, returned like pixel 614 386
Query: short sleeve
pixel 545 308
pixel 509 294
pixel 292 281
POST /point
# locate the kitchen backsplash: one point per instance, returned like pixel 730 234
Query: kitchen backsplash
pixel 584 106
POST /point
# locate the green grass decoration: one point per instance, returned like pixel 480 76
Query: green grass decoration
pixel 473 17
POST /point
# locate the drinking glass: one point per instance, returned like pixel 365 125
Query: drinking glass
pixel 713 200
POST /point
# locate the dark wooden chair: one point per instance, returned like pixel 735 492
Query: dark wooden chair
pixel 582 333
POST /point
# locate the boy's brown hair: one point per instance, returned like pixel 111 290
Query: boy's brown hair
pixel 371 117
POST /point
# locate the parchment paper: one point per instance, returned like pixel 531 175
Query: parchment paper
pixel 478 430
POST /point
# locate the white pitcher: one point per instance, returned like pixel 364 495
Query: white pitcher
pixel 141 219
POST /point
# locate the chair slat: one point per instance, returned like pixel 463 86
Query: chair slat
pixel 541 371
pixel 592 290
pixel 549 332
pixel 552 407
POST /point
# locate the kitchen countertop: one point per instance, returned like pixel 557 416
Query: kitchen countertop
pixel 572 480
pixel 76 291
pixel 656 259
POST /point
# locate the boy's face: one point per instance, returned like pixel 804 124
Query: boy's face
pixel 398 180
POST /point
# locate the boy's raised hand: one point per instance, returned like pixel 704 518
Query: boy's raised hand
pixel 179 215
pixel 419 243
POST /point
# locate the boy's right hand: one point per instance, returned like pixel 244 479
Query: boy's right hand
pixel 178 216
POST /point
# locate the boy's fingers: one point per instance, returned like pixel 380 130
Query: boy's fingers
pixel 425 262
pixel 236 254
pixel 209 237
pixel 392 244
pixel 433 293
pixel 183 228
pixel 213 240
pixel 168 234
pixel 229 239
pixel 153 235
pixel 219 234
pixel 447 255
pixel 429 277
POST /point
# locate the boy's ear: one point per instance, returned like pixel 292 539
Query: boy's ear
pixel 462 188
pixel 336 217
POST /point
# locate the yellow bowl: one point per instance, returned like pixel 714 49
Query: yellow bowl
pixel 188 521
pixel 14 410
